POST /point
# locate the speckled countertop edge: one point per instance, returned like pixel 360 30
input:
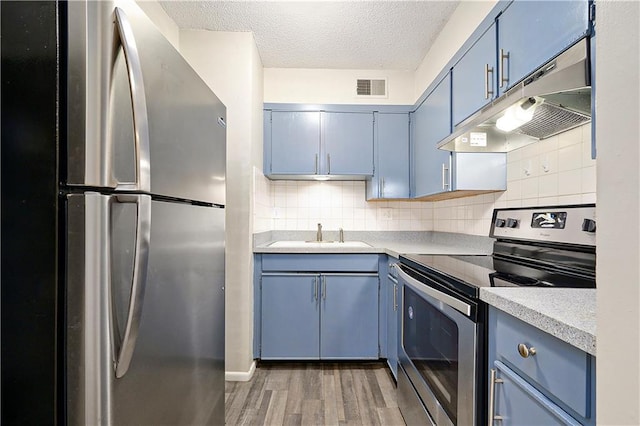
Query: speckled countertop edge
pixel 393 243
pixel 566 313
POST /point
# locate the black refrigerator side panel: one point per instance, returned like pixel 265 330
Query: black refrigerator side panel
pixel 29 212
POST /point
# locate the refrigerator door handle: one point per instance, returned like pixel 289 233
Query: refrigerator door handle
pixel 140 269
pixel 124 37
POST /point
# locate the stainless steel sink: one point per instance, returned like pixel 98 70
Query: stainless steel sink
pixel 318 244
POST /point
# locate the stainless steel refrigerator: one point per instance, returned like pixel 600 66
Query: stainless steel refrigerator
pixel 127 193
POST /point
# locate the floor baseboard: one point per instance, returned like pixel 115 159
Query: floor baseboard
pixel 240 376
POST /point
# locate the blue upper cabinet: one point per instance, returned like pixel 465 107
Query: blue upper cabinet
pixel 532 32
pixel 391 143
pixel 348 143
pixel 305 144
pixel 430 123
pixel 295 142
pixel 473 77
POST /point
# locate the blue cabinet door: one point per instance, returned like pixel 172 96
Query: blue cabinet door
pixel 520 404
pixel 473 77
pixel 349 317
pixel 392 146
pixel 348 143
pixel 290 317
pixel 430 123
pixel 532 32
pixel 392 324
pixel 295 142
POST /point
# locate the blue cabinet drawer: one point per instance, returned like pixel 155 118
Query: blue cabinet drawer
pixel 519 403
pixel 558 369
pixel 333 262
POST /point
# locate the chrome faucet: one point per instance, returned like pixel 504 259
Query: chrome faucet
pixel 319 233
pixel 341 236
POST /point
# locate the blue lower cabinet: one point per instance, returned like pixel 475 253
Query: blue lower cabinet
pixel 349 317
pixel 319 316
pixel 537 379
pixel 290 317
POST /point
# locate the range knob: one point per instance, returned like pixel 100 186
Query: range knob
pixel 512 223
pixel 500 223
pixel 589 225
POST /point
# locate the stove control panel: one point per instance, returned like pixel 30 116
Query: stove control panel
pixel 512 223
pixel 574 224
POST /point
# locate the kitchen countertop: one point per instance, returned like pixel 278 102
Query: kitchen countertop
pixel 393 243
pixel 566 313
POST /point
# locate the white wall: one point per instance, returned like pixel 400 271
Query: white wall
pixel 618 212
pixel 230 64
pixel 325 86
pixel 262 202
pixel 405 87
pixel 165 24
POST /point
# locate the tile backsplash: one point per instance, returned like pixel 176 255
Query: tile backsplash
pixel 558 170
pixel 301 205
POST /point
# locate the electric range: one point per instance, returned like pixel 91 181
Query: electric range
pixel 442 352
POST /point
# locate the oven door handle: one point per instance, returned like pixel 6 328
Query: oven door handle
pixel 456 304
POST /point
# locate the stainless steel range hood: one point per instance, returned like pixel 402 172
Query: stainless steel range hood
pixel 558 95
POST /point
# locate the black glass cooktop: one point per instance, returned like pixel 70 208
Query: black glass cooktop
pixel 467 274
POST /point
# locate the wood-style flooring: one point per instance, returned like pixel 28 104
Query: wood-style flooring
pixel 314 393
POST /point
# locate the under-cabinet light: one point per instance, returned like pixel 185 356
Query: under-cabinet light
pixel 518 114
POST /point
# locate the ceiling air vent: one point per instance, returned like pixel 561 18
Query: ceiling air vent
pixel 373 88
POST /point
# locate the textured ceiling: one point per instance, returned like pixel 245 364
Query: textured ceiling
pixel 325 34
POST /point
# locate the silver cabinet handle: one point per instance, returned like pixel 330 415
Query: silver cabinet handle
pixel 445 180
pixel 315 287
pixel 487 70
pixel 324 288
pixel 395 297
pixel 328 164
pixel 501 74
pixel 139 281
pixel 492 397
pixel 316 172
pixel 526 352
pixel 382 187
pixel 124 36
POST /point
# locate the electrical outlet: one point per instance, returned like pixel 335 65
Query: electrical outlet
pixel 386 213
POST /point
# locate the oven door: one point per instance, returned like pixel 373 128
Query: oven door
pixel 438 351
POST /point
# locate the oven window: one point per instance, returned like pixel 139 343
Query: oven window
pixel 430 340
